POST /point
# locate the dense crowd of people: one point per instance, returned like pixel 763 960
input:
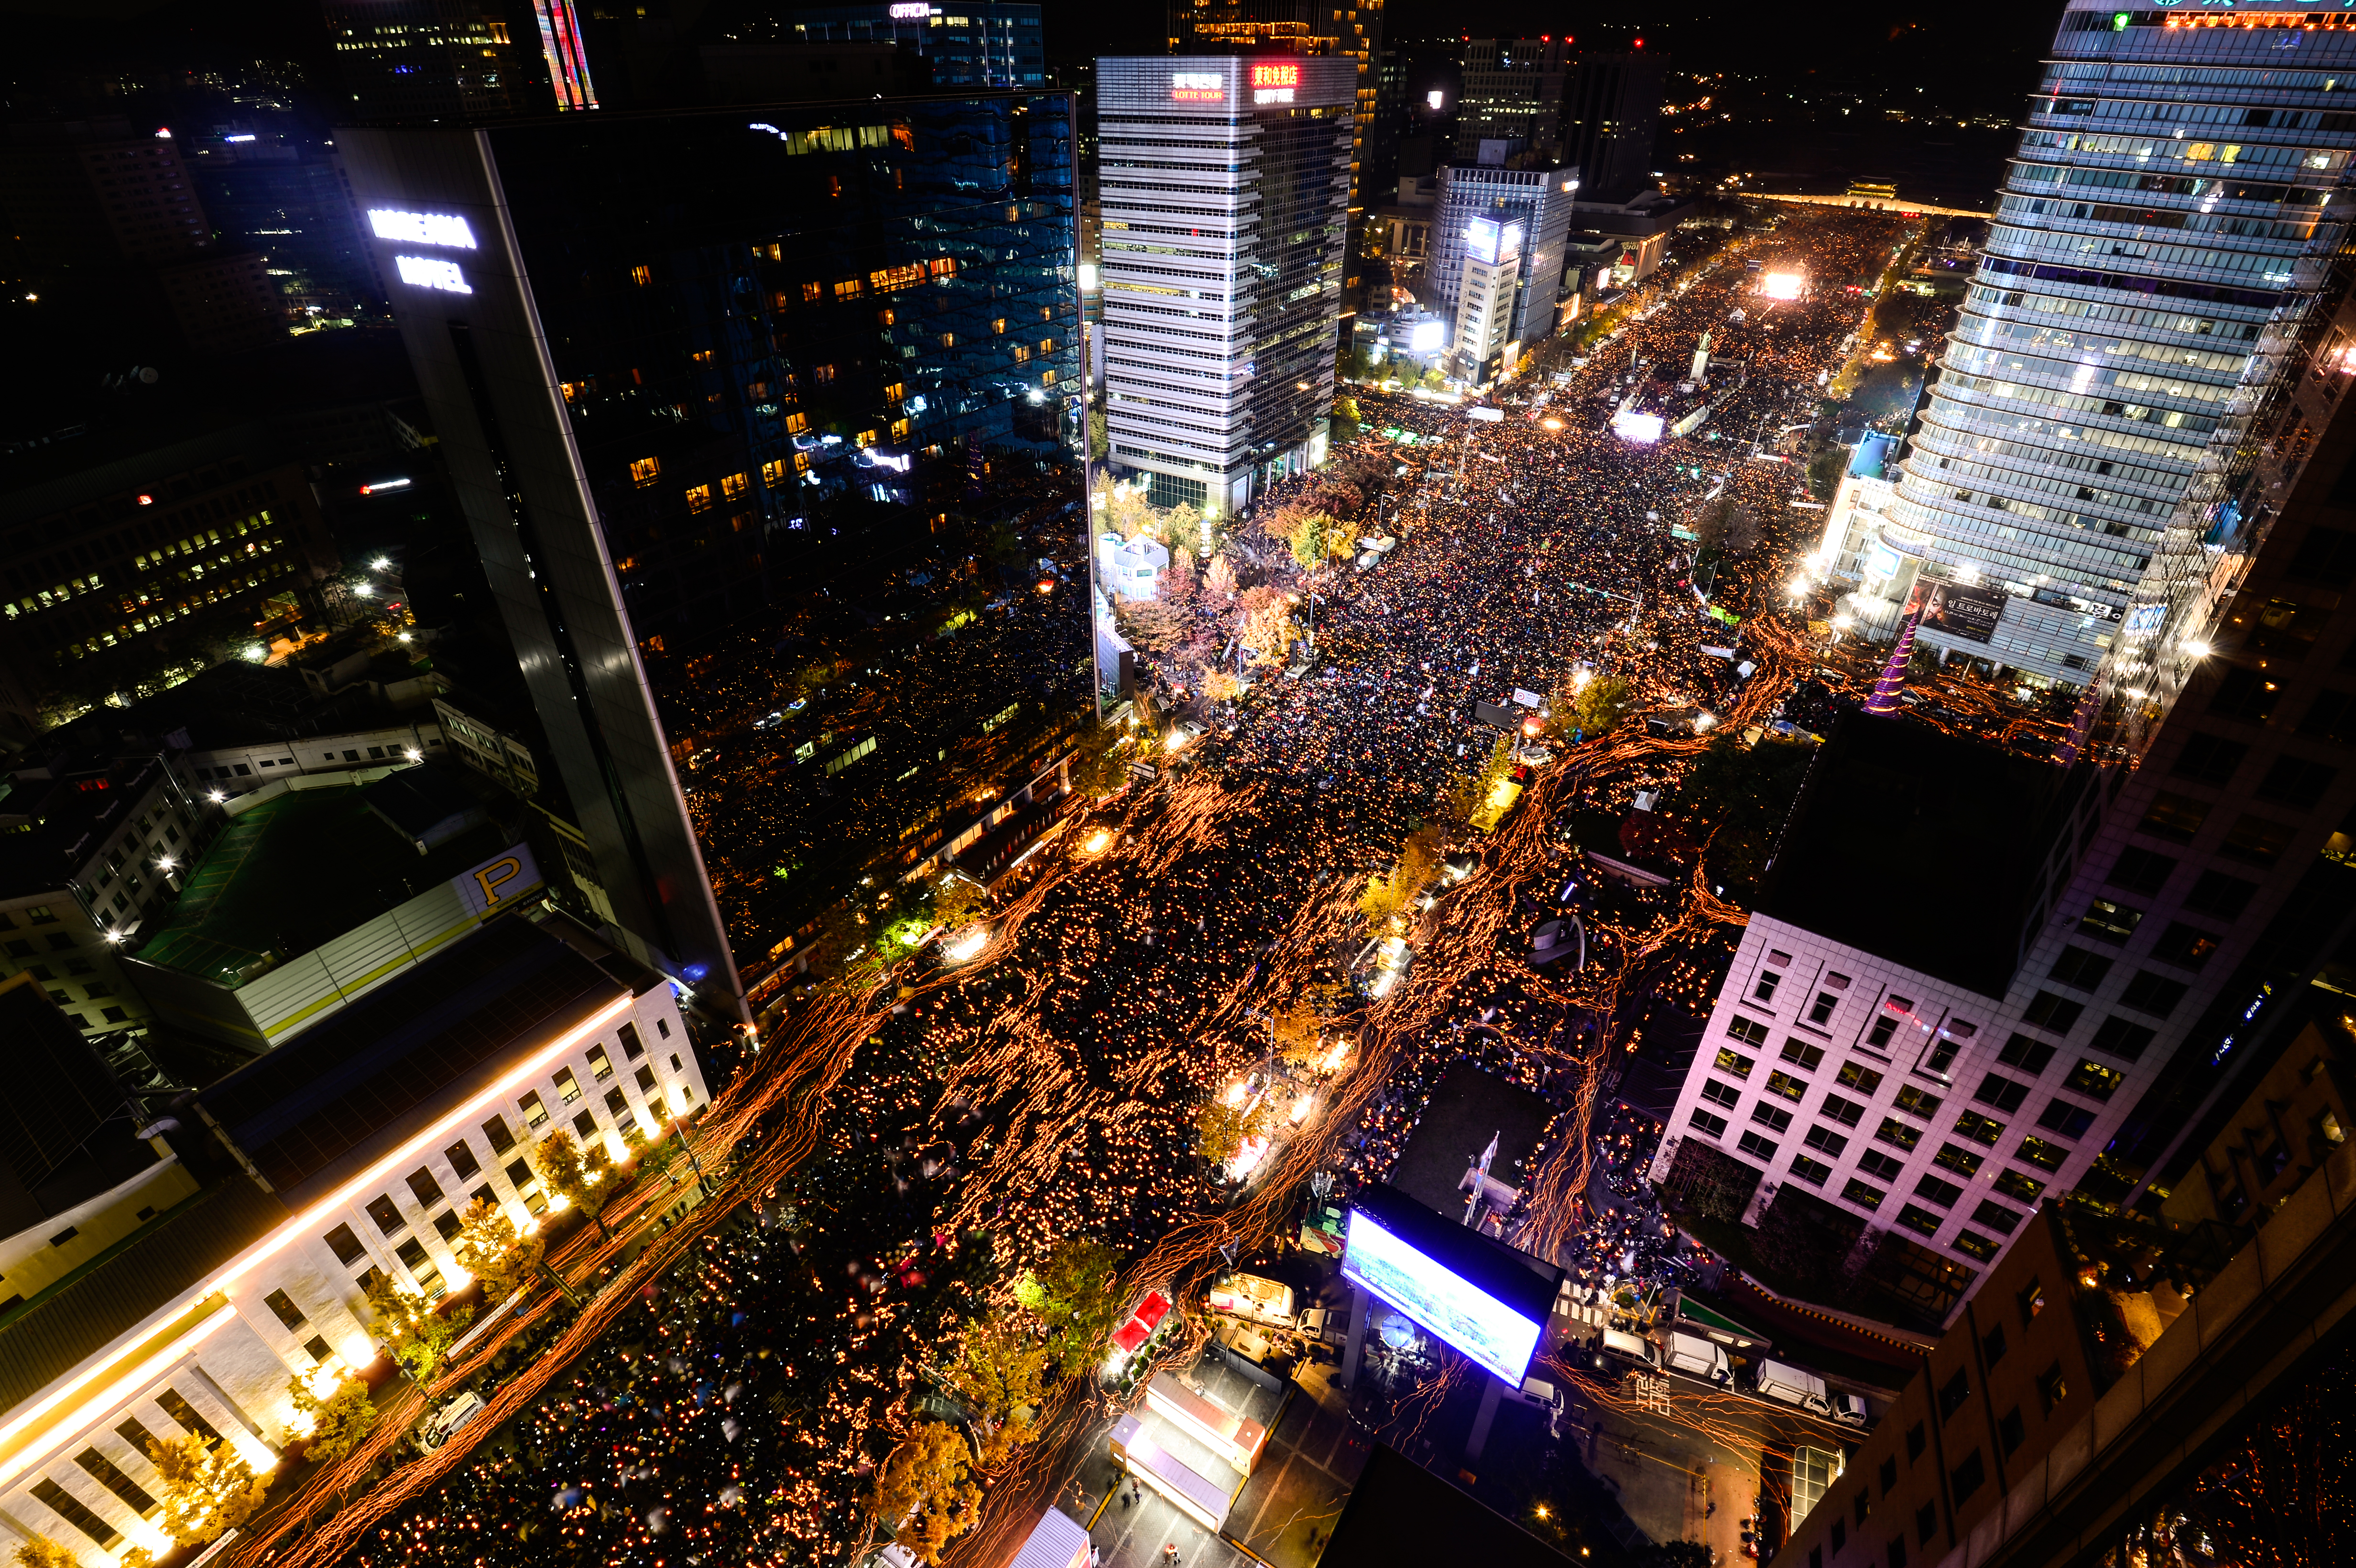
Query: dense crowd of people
pixel 1054 1091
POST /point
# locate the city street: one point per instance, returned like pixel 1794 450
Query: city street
pixel 912 1148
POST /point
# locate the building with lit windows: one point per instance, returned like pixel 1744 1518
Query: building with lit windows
pixel 130 553
pixel 1224 186
pixel 1485 299
pixel 423 61
pixel 1349 31
pixel 1511 90
pixel 735 386
pixel 92 847
pixel 171 1278
pixel 2097 456
pixel 1519 190
pixel 990 43
pixel 1929 1051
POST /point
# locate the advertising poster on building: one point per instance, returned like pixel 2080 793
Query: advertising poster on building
pixel 1961 612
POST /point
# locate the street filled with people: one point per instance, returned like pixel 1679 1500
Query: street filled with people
pixel 956 1122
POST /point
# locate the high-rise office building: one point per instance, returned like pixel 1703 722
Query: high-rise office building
pixel 993 43
pixel 1610 114
pixel 1352 30
pixel 1378 158
pixel 2088 463
pixel 1485 303
pixel 1224 186
pixel 1512 90
pixel 724 395
pixel 425 61
pixel 1535 195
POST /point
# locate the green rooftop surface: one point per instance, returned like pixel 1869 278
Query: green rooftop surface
pixel 294 872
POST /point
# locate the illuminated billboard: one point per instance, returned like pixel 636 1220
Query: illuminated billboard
pixel 1425 335
pixel 1274 82
pixel 1476 1294
pixel 1481 239
pixel 1642 429
pixel 1781 286
pixel 432 273
pixel 1197 87
pixel 422 228
pixel 1960 611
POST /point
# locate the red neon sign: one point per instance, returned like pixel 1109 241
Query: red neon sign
pixel 1276 75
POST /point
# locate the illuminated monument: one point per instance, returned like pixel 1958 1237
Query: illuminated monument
pixel 2110 429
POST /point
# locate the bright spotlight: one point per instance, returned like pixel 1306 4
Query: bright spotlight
pixel 1781 286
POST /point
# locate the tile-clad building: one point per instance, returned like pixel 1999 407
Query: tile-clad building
pixel 2111 1364
pixel 1865 1046
pixel 346 1154
pixel 1224 184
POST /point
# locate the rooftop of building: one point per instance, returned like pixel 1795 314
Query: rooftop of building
pixel 1401 1512
pixel 1919 848
pixel 66 1129
pixel 1872 456
pixel 230 704
pixel 63 807
pixel 323 1105
pixel 73 1319
pixel 310 1114
pixel 257 896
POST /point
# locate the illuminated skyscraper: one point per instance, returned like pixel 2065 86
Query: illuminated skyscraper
pixel 1353 29
pixel 2109 430
pixel 1538 198
pixel 1224 186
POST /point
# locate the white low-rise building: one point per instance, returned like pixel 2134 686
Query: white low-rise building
pixel 256 1224
pixel 1131 568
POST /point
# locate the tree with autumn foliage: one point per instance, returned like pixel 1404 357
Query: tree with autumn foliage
pixel 1000 1376
pixel 207 1491
pixel 581 1174
pixel 924 1492
pixel 417 1336
pixel 330 1426
pixel 490 1247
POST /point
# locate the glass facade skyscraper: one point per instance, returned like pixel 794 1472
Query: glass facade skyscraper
pixel 760 419
pixel 987 43
pixel 1225 188
pixel 2103 447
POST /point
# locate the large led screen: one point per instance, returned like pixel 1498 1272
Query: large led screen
pixel 1498 1336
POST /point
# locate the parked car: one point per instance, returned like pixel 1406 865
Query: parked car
pixel 1615 1349
pixel 436 1428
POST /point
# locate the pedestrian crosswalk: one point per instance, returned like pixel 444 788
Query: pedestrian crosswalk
pixel 1586 1315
